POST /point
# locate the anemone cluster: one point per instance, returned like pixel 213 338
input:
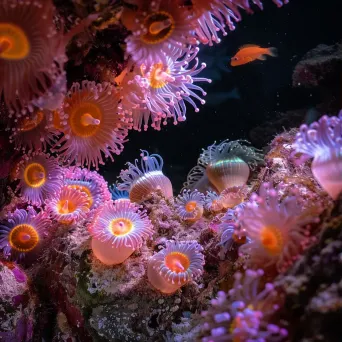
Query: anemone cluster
pixel 59 133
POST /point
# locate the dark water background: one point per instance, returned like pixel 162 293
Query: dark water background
pixel 263 87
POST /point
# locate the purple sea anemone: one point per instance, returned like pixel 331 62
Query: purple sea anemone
pixel 166 86
pixel 159 29
pixel 175 265
pixel 40 177
pixel 141 181
pixel 22 232
pixel 68 205
pixel 118 229
pixel 278 229
pixel 189 205
pixel 243 314
pixel 91 125
pixel 322 140
pixel 212 202
pixel 89 182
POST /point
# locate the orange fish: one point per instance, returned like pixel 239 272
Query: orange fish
pixel 249 53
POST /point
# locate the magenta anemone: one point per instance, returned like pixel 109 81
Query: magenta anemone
pixel 322 141
pixel 40 177
pixel 119 229
pixel 243 313
pixel 175 265
pixel 22 232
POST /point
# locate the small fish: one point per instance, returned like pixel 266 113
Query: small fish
pixel 249 53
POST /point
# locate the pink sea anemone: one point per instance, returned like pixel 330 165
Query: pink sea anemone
pixel 34 132
pixel 243 313
pixel 279 230
pixel 142 180
pixel 90 183
pixel 175 265
pixel 162 27
pixel 22 232
pixel 91 125
pixel 117 230
pixel 40 177
pixel 231 197
pixel 31 54
pixel 322 140
pixel 189 205
pixel 68 206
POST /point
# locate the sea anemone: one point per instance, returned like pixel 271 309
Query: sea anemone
pixel 34 132
pixel 92 126
pixel 165 87
pixel 40 177
pixel 279 230
pixel 68 206
pixel 243 313
pixel 212 202
pixel 31 53
pixel 141 181
pixel 322 140
pixel 89 182
pixel 117 230
pixel 189 205
pixel 163 27
pixel 175 265
pixel 22 232
pixel 231 197
pixel 118 195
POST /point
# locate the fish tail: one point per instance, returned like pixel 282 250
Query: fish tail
pixel 272 51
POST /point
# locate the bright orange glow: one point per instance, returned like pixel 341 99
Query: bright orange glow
pixel 158 76
pixel 35 175
pixel 85 119
pixel 23 238
pixel 160 26
pixel 191 206
pixel 85 190
pixel 177 262
pixel 56 120
pixel 27 124
pixel 121 226
pixel 14 44
pixel 272 239
pixel 65 206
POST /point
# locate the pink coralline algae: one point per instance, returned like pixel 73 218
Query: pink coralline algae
pixel 322 140
pixel 141 180
pixel 22 232
pixel 243 313
pixel 92 127
pixel 117 230
pixel 175 265
pixel 40 177
pixel 279 229
pixel 189 205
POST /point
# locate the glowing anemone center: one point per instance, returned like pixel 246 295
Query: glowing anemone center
pixel 121 226
pixel 191 206
pixel 56 120
pixel 28 124
pixel 35 175
pixel 158 77
pixel 65 206
pixel 177 262
pixel 23 238
pixel 272 239
pixel 85 120
pixel 85 190
pixel 159 26
pixel 14 44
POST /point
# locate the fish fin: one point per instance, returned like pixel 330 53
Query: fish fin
pixel 272 51
pixel 248 46
pixel 262 58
